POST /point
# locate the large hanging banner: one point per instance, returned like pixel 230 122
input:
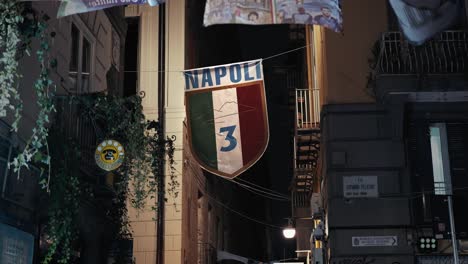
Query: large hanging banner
pixel 420 20
pixel 71 7
pixel 227 116
pixel 326 13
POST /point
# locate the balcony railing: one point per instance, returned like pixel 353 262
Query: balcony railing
pixel 76 125
pixel 307 108
pixel 206 253
pixel 447 53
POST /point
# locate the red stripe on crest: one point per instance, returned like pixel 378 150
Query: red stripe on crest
pixel 252 120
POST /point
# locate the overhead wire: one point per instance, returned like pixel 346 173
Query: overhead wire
pixel 231 209
pixel 263 59
pixel 261 187
pixel 242 214
pixel 264 192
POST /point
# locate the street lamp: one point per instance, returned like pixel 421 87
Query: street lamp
pixel 289 231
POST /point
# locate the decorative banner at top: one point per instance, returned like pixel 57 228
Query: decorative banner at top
pixel 227 116
pixel 325 13
pixel 70 7
pixel 422 19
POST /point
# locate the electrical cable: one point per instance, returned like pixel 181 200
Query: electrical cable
pixel 266 193
pixel 260 194
pixel 264 59
pixel 242 214
pixel 261 187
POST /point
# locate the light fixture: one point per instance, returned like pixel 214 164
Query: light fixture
pixel 289 231
pixel 427 244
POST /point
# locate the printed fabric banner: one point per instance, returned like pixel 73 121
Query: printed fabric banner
pixel 227 116
pixel 420 20
pixel 70 7
pixel 326 13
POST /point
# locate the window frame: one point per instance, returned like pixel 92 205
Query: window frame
pixel 83 33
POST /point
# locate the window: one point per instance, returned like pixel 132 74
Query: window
pixel 424 141
pixel 81 54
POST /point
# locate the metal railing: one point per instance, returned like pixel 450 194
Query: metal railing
pixel 78 126
pixel 446 53
pixel 307 108
pixel 300 198
pixel 206 253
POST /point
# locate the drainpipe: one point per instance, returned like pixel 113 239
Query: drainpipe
pixel 161 103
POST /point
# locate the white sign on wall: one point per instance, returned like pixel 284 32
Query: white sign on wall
pixel 375 241
pixel 360 186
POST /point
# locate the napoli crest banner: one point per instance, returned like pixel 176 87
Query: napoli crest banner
pixel 227 116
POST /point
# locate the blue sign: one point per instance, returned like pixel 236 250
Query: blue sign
pixel 16 246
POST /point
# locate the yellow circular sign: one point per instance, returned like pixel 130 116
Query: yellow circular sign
pixel 109 155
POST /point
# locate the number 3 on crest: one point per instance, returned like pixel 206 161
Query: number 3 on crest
pixel 232 140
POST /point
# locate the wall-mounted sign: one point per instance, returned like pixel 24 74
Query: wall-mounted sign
pixel 375 241
pixel 360 186
pixel 109 155
pixel 16 246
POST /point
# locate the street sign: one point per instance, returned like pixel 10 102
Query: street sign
pixel 375 241
pixel 360 186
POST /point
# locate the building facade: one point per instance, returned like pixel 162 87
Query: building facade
pixel 373 197
pixel 88 50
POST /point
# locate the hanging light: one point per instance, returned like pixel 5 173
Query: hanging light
pixel 289 231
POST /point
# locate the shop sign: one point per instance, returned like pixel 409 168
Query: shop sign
pixel 109 155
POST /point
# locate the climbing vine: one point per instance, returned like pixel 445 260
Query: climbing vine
pixel 137 180
pixel 10 37
pixel 16 31
pixel 44 89
pixel 147 150
pixel 63 201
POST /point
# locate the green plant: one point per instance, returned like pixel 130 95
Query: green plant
pixel 137 179
pixel 44 89
pixel 16 33
pixel 63 201
pixel 10 37
pixel 145 150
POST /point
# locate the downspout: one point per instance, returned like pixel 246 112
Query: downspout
pixel 161 103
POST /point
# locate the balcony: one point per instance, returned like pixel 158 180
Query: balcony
pixel 439 65
pixel 74 122
pixel 306 147
pixel 76 126
pixel 206 253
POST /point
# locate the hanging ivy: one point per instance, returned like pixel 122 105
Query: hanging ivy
pixel 16 32
pixel 10 37
pixel 63 201
pixel 146 152
pixel 145 149
pixel 44 89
